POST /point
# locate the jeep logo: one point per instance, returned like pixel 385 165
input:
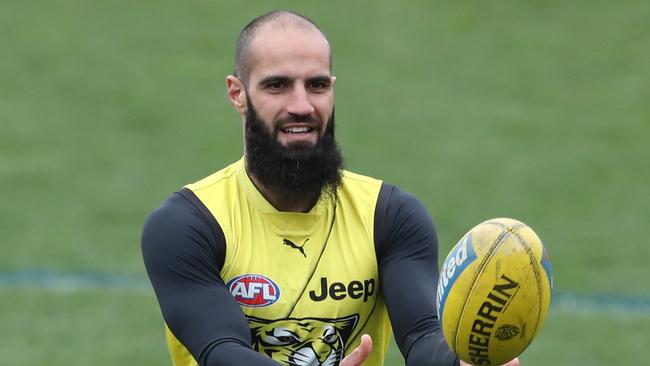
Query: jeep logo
pixel 339 291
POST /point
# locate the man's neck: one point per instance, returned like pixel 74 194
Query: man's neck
pixel 283 203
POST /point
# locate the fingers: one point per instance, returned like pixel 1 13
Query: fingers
pixel 360 354
pixel 514 362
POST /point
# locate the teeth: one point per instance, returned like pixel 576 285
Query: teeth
pixel 297 129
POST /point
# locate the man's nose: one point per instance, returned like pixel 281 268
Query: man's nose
pixel 300 105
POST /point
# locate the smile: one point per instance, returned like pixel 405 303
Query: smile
pixel 297 129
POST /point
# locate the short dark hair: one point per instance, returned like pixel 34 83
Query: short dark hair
pixel 246 36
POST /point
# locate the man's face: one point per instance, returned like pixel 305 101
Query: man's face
pixel 290 83
pixel 294 171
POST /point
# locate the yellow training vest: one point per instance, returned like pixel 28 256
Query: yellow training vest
pixel 307 282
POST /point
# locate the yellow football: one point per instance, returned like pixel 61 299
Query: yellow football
pixel 494 291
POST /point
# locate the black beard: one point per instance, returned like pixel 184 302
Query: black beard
pixel 295 171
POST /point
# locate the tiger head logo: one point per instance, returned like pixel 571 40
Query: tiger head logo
pixel 304 341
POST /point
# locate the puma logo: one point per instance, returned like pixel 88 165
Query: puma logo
pixel 293 245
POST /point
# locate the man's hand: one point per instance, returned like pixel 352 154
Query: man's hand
pixel 514 362
pixel 360 354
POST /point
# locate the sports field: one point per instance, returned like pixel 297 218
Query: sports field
pixel 538 110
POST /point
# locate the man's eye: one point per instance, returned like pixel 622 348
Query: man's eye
pixel 276 85
pixel 320 85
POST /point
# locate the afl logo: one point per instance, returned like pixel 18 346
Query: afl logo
pixel 254 290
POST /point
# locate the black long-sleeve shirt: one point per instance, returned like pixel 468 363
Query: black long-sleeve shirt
pixel 189 285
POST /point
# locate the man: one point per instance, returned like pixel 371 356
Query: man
pixel 283 256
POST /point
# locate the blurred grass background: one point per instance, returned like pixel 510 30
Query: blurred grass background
pixel 528 109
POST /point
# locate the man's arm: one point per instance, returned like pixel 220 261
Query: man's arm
pixel 407 250
pixel 183 249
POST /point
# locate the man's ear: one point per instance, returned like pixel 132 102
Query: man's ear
pixel 236 93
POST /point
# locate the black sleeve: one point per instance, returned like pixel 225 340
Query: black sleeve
pixel 407 253
pixel 183 249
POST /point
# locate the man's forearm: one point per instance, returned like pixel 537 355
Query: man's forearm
pixel 431 350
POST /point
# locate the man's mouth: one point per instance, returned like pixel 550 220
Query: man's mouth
pixel 302 129
pixel 302 133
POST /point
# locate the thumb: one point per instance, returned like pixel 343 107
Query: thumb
pixel 360 354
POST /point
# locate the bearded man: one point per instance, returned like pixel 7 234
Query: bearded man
pixel 283 257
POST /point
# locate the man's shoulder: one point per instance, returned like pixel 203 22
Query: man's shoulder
pixel 359 190
pixel 355 178
pixel 387 191
pixel 219 177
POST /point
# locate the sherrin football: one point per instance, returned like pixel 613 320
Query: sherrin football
pixel 494 291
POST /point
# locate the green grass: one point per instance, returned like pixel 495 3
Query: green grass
pixel 90 327
pixel 590 339
pixel 534 110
